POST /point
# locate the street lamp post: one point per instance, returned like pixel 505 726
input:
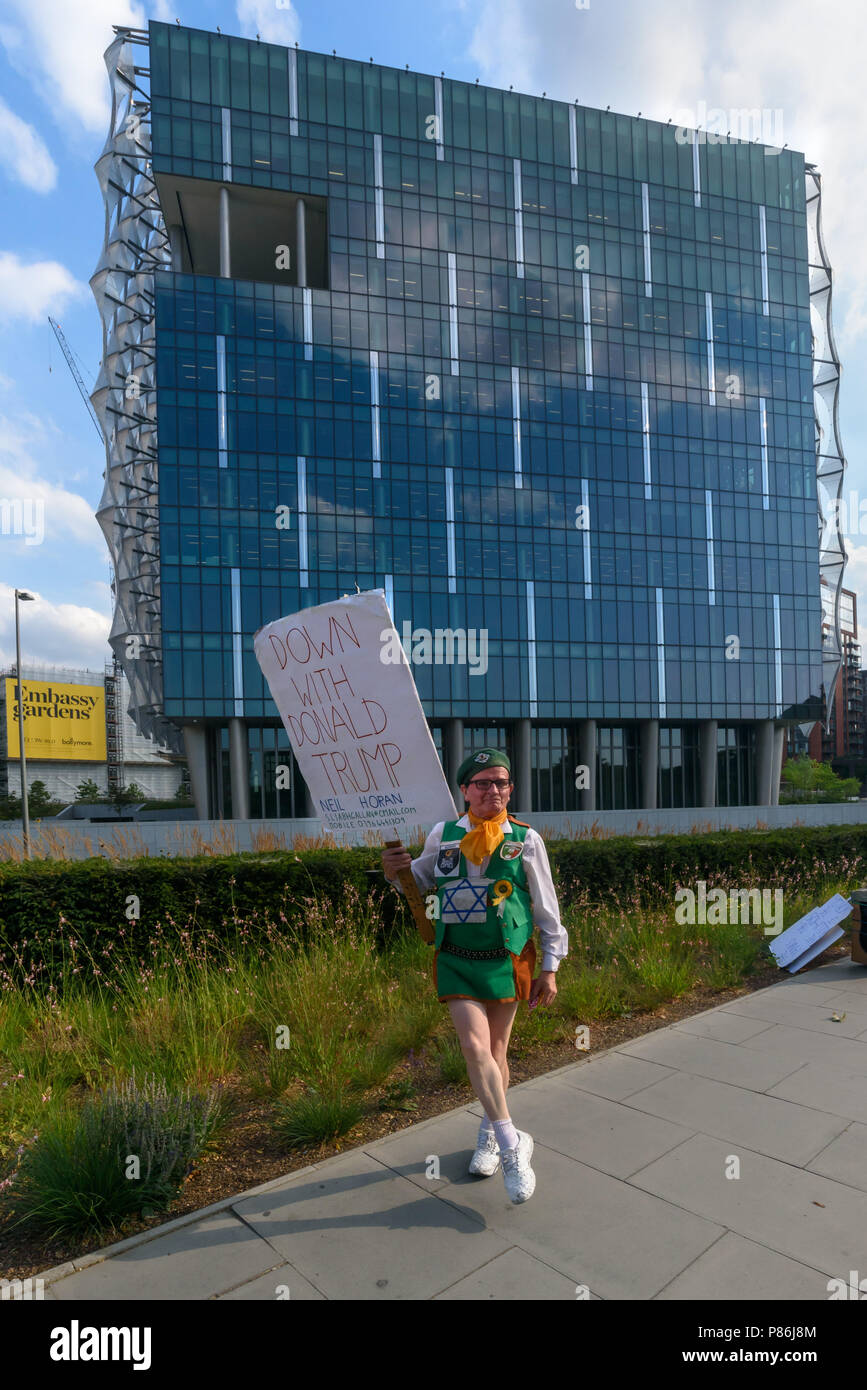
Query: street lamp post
pixel 22 594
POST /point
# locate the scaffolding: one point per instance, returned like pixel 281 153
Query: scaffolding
pixel 830 459
pixel 135 247
pixel 114 727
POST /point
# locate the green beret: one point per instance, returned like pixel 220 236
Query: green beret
pixel 481 761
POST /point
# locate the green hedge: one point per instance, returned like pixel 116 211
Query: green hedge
pixel 622 862
pixel 93 893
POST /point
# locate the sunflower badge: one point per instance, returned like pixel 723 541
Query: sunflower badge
pixel 500 891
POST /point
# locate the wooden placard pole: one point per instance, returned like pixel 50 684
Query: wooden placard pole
pixel 407 881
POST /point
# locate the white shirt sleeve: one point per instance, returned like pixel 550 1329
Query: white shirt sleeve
pixel 423 867
pixel 546 909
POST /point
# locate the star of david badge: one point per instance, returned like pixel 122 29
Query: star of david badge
pixel 465 901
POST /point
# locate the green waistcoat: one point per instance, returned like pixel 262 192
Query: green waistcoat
pixel 470 900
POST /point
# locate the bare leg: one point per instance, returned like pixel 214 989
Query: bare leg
pixel 471 1025
pixel 500 1020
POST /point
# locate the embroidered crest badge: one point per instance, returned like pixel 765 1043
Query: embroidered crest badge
pixel 512 851
pixel 482 758
pixel 448 859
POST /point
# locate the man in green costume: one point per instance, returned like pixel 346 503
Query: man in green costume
pixel 492 881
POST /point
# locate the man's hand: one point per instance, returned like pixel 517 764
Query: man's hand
pixel 543 989
pixel 393 860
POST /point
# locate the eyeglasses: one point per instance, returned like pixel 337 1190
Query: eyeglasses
pixel 484 785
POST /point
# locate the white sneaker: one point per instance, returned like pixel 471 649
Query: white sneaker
pixel 486 1159
pixel 519 1177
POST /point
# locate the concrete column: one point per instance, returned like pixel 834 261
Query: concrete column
pixel 176 242
pixel 522 772
pixel 587 756
pixel 196 748
pixel 225 247
pixel 239 769
pixel 764 761
pixel 301 241
pixel 777 766
pixel 707 761
pixel 649 762
pixel 453 756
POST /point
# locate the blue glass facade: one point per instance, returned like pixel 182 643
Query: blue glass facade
pixel 554 385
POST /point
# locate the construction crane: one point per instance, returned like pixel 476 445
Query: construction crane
pixel 113 670
pixel 70 362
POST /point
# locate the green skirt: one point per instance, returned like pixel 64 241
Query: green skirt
pixel 499 980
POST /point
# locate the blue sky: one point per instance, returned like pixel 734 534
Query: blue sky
pixel 660 57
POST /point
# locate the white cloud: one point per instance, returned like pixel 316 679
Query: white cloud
pixel 30 291
pixel 37 512
pixel 59 48
pixel 24 154
pixel 60 634
pixel 274 23
pixel 670 55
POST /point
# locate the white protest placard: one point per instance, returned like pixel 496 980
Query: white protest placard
pixel 811 934
pixel 355 721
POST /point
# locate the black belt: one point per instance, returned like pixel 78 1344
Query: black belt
pixel 496 952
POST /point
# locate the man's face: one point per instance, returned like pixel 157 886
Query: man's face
pixel 488 792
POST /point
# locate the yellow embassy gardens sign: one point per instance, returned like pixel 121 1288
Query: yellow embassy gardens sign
pixel 60 721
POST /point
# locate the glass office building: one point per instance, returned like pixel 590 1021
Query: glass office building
pixel 559 381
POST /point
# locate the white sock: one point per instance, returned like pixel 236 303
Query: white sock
pixel 507 1135
pixel 485 1128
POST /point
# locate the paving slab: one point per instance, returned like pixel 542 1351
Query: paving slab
pixel 196 1261
pixel 854 984
pixel 849 1002
pixel 826 1088
pixel 731 1028
pixel 614 1075
pixel 356 1229
pixel 743 1271
pixel 433 1155
pixel 816 1018
pixel 801 1044
pixel 720 1061
pixel 514 1275
pixel 282 1284
pixel 595 1229
pixel 798 989
pixel 845 974
pixel 808 1217
pixel 843 1159
pixel 778 1128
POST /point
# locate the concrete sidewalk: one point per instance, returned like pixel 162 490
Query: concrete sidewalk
pixel 632 1196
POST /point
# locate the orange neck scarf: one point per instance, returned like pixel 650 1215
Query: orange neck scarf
pixel 484 837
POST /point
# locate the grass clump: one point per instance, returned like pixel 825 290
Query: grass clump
pixel 125 1152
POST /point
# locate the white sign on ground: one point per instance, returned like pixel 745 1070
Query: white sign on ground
pixel 811 934
pixel 355 723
